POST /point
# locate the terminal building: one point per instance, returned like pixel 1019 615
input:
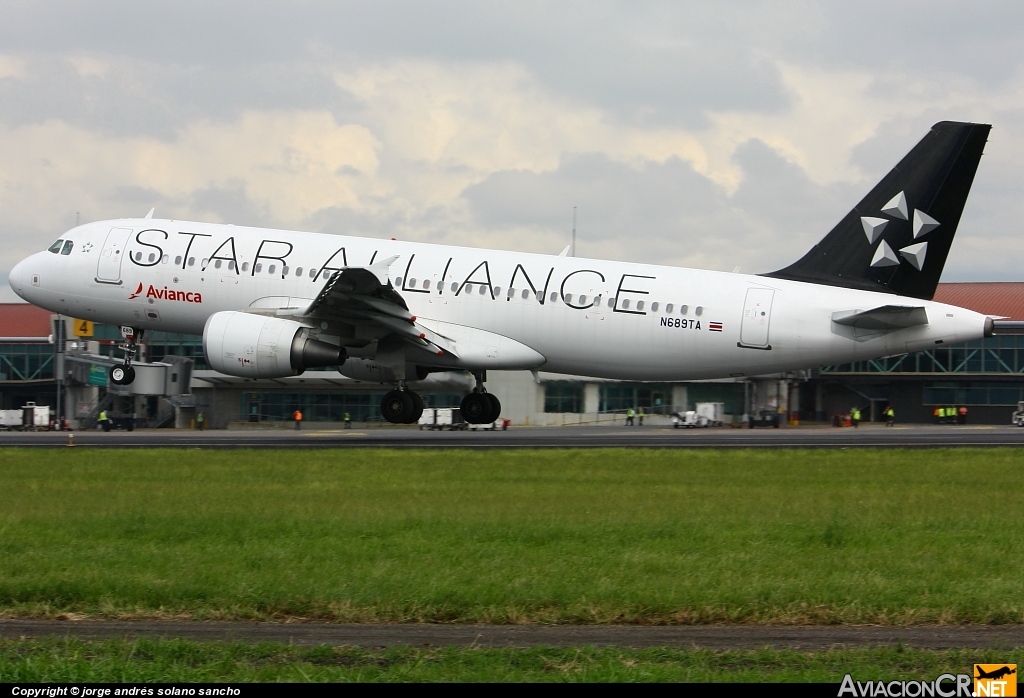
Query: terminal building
pixel 986 376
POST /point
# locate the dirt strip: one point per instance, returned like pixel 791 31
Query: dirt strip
pixel 717 637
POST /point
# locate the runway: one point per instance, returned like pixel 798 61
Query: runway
pixel 716 637
pixel 873 435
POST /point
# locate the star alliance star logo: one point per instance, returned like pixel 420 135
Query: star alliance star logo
pixel 86 247
pixel 914 254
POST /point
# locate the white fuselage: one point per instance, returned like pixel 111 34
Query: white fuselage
pixel 650 322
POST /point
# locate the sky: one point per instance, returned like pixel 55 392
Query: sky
pixel 713 135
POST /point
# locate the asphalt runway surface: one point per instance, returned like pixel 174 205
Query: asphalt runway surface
pixel 716 637
pixel 870 435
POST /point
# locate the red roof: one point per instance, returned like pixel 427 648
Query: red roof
pixel 1001 298
pixel 24 320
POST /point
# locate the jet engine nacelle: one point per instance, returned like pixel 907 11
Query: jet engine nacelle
pixel 257 346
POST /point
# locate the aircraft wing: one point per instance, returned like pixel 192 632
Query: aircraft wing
pixel 365 296
pixel 883 318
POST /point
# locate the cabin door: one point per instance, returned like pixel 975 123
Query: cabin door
pixel 757 316
pixel 108 269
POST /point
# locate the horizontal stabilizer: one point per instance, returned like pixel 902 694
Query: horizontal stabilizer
pixel 886 317
pixel 1005 327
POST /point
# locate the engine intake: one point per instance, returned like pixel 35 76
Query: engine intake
pixel 256 346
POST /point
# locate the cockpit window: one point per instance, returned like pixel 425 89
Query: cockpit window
pixel 55 247
pixel 68 245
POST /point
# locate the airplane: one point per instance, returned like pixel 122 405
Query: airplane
pixel 274 303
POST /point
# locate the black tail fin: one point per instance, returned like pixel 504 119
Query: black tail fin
pixel 897 238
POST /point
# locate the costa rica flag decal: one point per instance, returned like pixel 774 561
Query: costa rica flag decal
pixel 715 326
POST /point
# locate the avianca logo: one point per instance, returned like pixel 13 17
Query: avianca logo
pixel 168 294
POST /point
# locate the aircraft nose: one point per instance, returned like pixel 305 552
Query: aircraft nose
pixel 18 278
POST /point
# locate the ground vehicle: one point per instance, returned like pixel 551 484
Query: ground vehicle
pixel 31 417
pixel 441 418
pixel 714 412
pixel 689 419
pixel 502 424
pixel 764 418
pixel 1018 416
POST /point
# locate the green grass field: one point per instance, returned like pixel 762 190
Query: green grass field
pixel 179 661
pixel 591 536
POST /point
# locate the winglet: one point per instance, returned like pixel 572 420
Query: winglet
pixel 151 212
pixel 381 269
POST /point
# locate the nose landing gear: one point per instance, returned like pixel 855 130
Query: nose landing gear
pixel 125 374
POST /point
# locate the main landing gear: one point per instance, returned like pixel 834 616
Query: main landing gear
pixel 125 374
pixel 480 406
pixel 401 406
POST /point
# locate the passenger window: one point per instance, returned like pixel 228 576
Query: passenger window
pixel 177 260
pixel 526 294
pixel 554 297
pixel 191 261
pixel 55 247
pixel 483 290
pixel 312 273
pixel 231 265
pixel 668 308
pixel 426 283
pixel 654 307
pixel 583 300
pixel 568 298
pixel 698 311
pixel 257 269
pixel 611 302
pixel 138 256
pixel 468 288
pixel 298 271
pixel 152 256
pixel 597 301
pixel 412 283
pixel 205 263
pixel 455 288
pixel 271 269
pixel 284 270
pixel 497 290
pixel 164 260
pixel 68 246
pixel 217 264
pixel 640 305
pixel 625 303
pixel 398 281
pixel 245 266
pixel 683 309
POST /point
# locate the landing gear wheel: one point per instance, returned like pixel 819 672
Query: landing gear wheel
pixel 122 375
pixel 476 408
pixel 417 412
pixel 397 407
pixel 495 406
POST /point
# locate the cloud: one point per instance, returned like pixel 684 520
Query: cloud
pixel 710 136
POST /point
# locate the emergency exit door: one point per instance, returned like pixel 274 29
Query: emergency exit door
pixel 108 268
pixel 757 316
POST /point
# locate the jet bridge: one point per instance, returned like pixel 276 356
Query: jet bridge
pixel 161 378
